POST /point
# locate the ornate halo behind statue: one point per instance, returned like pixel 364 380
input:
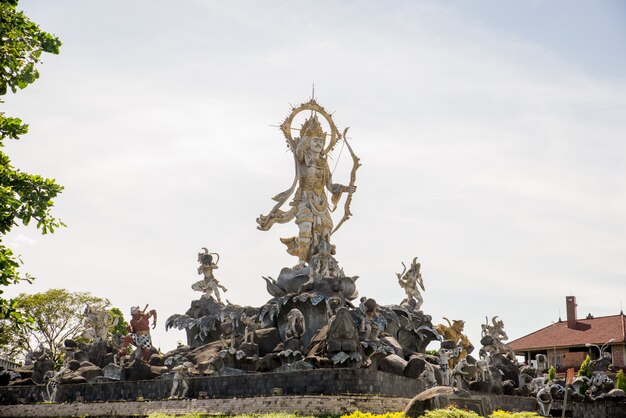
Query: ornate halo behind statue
pixel 313 106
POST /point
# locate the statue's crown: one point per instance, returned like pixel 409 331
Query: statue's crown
pixel 312 128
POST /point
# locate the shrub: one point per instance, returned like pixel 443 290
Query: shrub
pixel 551 373
pixel 359 414
pixel 505 414
pixel 620 381
pixel 450 412
pixel 584 367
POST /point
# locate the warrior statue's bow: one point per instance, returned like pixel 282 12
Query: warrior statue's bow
pixel 356 163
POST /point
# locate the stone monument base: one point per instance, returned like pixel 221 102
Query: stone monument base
pixel 316 405
pixel 301 382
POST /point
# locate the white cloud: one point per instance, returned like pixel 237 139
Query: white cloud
pixel 20 241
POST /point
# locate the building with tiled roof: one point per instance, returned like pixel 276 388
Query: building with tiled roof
pixel 567 343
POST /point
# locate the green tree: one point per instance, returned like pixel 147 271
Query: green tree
pixel 57 315
pixel 9 346
pixel 620 380
pixel 551 373
pixel 121 326
pixel 584 367
pixel 24 197
pixel 585 371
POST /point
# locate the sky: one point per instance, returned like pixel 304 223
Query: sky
pixel 491 136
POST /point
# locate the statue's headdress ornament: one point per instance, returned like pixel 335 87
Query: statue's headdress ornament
pixel 134 309
pixel 312 128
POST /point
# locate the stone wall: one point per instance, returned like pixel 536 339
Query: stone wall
pixel 310 392
pixel 303 405
pixel 574 359
pixel 597 409
pixel 304 382
pixel 508 403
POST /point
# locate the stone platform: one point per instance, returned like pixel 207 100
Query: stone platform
pixel 302 405
pixel 317 405
pixel 306 392
pixel 302 382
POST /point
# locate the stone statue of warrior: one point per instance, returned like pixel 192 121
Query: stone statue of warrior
pixel 139 331
pixel 310 206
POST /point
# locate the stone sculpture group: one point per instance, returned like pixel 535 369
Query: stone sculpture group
pixel 312 318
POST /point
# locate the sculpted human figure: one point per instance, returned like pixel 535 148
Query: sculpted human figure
pixel 250 327
pixel 227 337
pixel 369 312
pixel 459 375
pixel 323 264
pixel 541 365
pixel 209 284
pixel 409 281
pixel 495 331
pixel 295 324
pixel 310 206
pixel 139 331
pixel 428 376
pixel 544 398
pixel 483 372
pixel 313 213
pixel 332 305
pixel 444 360
pixel 52 385
pixel 179 382
pixel 97 323
pixel 493 337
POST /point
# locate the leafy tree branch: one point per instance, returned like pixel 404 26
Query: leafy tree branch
pixel 24 197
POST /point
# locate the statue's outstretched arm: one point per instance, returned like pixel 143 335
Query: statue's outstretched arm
pixel 153 314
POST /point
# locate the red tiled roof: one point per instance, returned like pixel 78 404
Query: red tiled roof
pixel 594 331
